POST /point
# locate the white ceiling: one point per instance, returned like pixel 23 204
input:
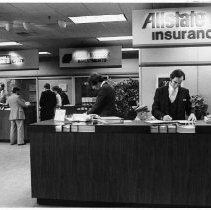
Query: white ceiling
pixel 43 32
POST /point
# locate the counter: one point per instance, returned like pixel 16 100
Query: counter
pixel 121 164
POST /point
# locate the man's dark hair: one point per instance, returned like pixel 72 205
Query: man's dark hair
pixel 15 89
pixel 47 86
pixel 177 73
pixel 2 85
pixel 94 79
pixel 56 88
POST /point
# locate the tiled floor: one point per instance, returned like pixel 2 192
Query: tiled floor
pixel 15 178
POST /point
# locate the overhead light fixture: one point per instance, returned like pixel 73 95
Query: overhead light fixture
pixel 44 53
pixel 98 18
pixel 115 38
pixel 130 49
pixel 9 43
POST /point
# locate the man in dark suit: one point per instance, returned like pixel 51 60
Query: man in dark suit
pixel 172 102
pixel 47 103
pixel 104 105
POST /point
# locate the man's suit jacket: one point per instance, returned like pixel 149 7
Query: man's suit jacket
pixel 65 99
pixel 47 104
pixel 160 107
pixel 105 102
pixel 16 104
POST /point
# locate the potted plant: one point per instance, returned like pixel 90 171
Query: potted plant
pixel 199 105
pixel 127 95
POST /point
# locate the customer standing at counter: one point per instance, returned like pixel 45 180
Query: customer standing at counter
pixel 16 117
pixel 104 105
pixel 172 102
pixel 47 103
pixel 2 93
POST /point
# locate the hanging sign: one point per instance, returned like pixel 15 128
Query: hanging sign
pixel 90 57
pixel 178 26
pixel 18 60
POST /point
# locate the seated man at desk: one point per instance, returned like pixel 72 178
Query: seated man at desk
pixel 172 102
pixel 3 93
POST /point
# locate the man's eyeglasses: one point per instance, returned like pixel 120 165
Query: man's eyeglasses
pixel 176 83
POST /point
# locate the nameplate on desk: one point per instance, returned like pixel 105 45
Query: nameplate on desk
pixel 66 128
pixel 80 127
pixel 58 128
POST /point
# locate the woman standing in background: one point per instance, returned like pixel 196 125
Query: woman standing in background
pixel 56 90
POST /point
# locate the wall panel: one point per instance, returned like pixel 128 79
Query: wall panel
pixel 204 82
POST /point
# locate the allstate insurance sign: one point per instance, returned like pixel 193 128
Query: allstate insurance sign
pixel 179 26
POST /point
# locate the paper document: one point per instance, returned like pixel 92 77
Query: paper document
pixel 168 122
pixel 60 114
pixel 79 118
pixel 110 119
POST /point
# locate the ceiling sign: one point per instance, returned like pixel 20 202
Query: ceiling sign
pixel 90 57
pixel 9 59
pixel 179 26
pixel 19 60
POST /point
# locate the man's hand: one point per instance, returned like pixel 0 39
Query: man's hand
pixel 192 117
pixel 167 118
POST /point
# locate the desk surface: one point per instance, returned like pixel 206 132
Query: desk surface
pixel 126 127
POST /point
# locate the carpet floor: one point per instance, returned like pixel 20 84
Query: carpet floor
pixel 15 176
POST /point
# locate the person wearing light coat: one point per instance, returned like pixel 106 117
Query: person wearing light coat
pixel 16 117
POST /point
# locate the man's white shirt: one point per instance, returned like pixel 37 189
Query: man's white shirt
pixel 172 93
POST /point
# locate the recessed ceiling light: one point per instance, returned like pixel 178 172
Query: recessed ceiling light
pixel 44 53
pixel 130 49
pixel 115 38
pixel 9 43
pixel 97 18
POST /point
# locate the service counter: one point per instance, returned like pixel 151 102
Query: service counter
pixel 121 164
pixel 30 113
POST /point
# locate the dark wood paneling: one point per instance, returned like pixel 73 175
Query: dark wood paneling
pixel 161 169
pixel 4 125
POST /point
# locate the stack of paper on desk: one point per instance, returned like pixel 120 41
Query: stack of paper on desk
pixel 168 122
pixel 79 118
pixel 110 120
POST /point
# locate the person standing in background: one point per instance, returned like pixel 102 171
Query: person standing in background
pixel 16 117
pixel 47 103
pixel 56 90
pixel 172 102
pixel 105 102
pixel 64 97
pixel 2 93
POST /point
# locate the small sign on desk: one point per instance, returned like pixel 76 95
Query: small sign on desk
pixel 82 127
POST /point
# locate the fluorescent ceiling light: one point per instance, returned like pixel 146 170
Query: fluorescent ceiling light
pixel 115 38
pixel 130 49
pixel 97 18
pixel 44 53
pixel 9 43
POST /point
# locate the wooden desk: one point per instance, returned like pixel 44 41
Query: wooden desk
pixel 121 164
